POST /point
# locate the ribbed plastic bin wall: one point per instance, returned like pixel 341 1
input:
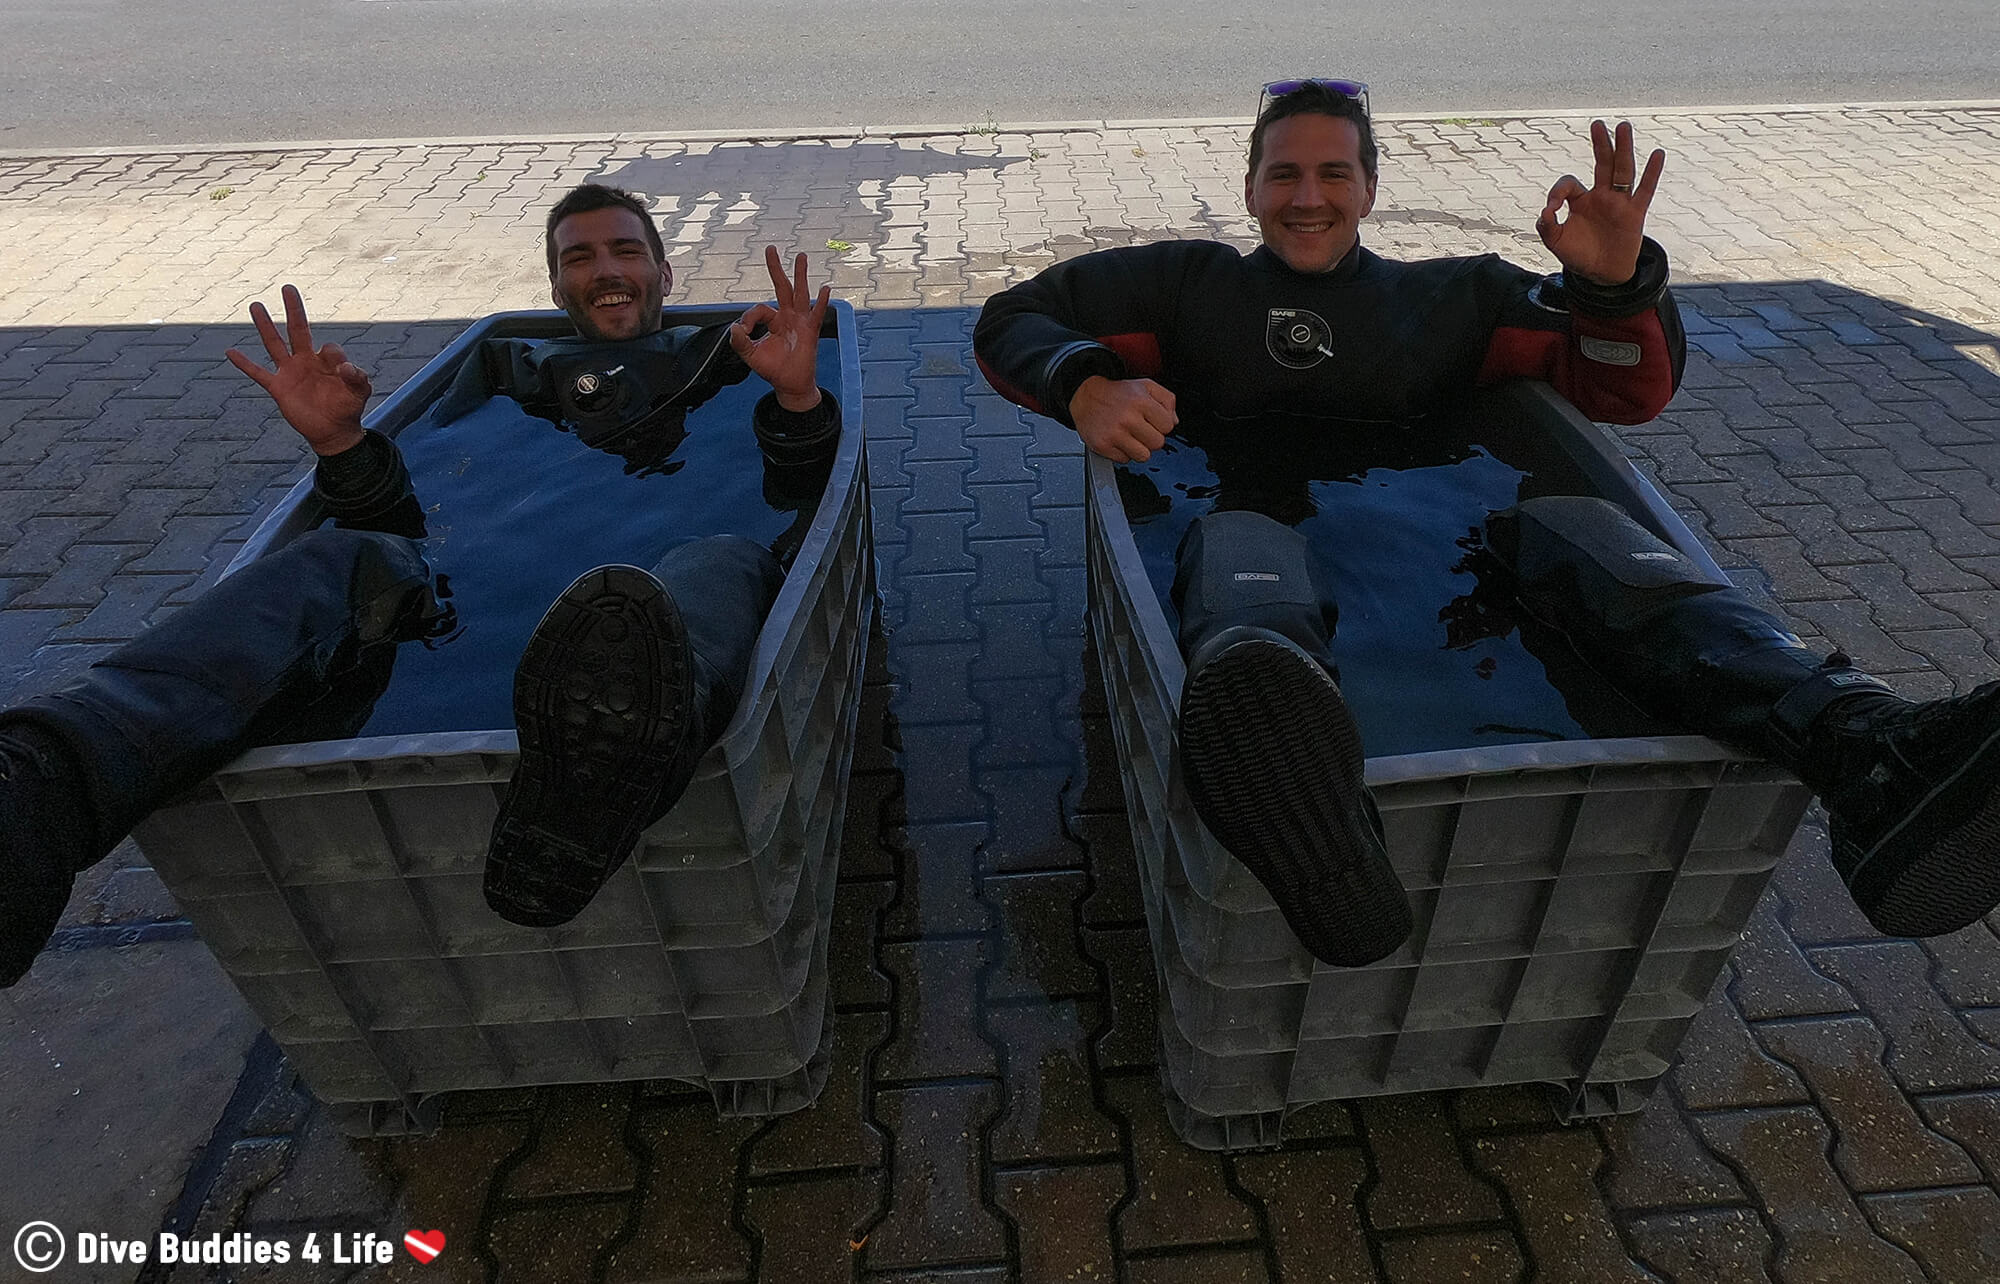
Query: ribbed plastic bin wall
pixel 1574 902
pixel 339 884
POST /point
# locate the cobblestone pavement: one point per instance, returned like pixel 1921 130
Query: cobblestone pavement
pixel 993 1112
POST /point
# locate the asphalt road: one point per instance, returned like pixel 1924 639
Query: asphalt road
pixel 106 72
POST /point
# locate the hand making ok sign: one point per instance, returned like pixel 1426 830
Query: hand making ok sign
pixel 319 391
pixel 787 353
pixel 1599 238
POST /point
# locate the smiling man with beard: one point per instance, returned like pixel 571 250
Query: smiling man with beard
pixel 1313 332
pixel 628 679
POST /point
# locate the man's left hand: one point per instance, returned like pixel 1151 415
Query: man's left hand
pixel 1599 239
pixel 787 353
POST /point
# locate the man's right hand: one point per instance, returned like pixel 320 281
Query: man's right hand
pixel 1124 420
pixel 320 392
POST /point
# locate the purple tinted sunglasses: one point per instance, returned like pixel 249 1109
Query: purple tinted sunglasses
pixel 1354 89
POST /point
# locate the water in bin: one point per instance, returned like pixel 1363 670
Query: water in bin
pixel 1432 650
pixel 518 507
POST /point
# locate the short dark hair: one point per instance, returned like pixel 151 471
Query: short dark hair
pixel 586 197
pixel 1327 101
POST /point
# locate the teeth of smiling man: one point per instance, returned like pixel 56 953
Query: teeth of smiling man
pixel 611 300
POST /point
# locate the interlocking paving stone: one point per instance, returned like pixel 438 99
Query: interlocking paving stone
pixel 1063 1218
pixel 939 892
pixel 943 792
pixel 580 1146
pixel 1880 1143
pixel 1721 1064
pixel 807 1231
pixel 1009 572
pixel 1955 1234
pixel 1024 722
pixel 1478 1257
pixel 1029 831
pixel 857 913
pixel 1568 1230
pixel 937 1032
pixel 933 685
pixel 1309 1201
pixel 936 543
pixel 1928 1048
pixel 875 753
pixel 1014 644
pixel 80 579
pixel 1114 871
pixel 834 1132
pixel 1133 1036
pixel 936 1212
pixel 685 1226
pixel 1815 904
pixel 130 602
pixel 1972 1120
pixel 1180 1195
pixel 1039 957
pixel 1429 1182
pixel 1050 1110
pixel 1771 976
pixel 535 1244
pixel 1968 966
pixel 1713 1246
pixel 1822 1235
pixel 932 608
pixel 1654 1160
pixel 1228 1266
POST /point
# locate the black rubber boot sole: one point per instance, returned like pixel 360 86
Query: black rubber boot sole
pixel 603 702
pixel 1273 764
pixel 1938 870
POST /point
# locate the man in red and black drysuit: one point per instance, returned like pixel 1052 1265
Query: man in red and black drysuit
pixel 1311 331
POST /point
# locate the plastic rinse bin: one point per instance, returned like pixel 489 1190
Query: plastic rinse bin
pixel 1574 901
pixel 339 883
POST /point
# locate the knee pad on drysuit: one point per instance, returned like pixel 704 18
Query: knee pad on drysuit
pixel 1685 644
pixel 1243 568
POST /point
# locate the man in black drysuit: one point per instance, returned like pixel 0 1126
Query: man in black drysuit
pixel 621 688
pixel 1311 329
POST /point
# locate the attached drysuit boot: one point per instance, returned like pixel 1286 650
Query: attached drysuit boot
pixel 1269 750
pixel 1912 790
pixel 296 646
pixel 46 839
pixel 620 691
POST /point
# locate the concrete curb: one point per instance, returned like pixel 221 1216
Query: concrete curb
pixel 849 132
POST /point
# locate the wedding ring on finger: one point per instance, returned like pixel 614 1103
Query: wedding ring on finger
pixel 1622 187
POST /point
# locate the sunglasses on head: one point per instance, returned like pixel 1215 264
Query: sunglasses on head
pixel 1354 89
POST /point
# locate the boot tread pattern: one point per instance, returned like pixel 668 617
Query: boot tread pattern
pixel 1938 870
pixel 602 700
pixel 1273 762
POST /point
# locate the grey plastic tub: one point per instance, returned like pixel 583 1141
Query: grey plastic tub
pixel 1574 901
pixel 339 883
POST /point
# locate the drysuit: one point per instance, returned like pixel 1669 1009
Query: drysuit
pixel 1248 345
